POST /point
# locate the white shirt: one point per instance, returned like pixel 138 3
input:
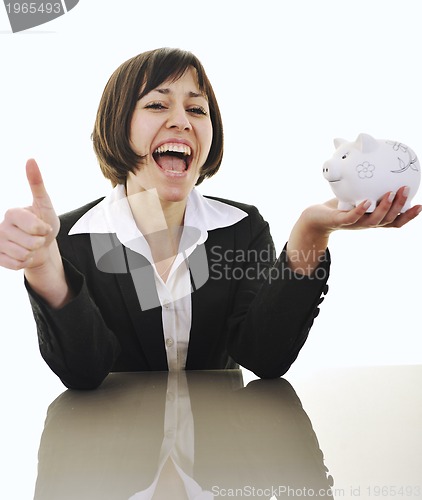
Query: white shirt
pixel 178 444
pixel 113 215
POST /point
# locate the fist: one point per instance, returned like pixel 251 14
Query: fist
pixel 26 234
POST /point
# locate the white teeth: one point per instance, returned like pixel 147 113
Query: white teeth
pixel 175 147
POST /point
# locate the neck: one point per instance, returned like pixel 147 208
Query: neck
pixel 152 214
pixel 160 223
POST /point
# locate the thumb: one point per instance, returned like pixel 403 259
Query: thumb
pixel 36 183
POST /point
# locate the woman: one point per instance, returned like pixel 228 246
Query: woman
pixel 155 276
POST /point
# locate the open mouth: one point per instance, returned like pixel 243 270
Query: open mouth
pixel 173 157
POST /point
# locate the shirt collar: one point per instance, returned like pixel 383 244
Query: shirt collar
pixel 113 215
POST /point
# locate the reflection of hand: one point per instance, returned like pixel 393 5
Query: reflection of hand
pixel 26 234
pixel 387 214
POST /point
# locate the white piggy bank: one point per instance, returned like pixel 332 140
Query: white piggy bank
pixel 369 168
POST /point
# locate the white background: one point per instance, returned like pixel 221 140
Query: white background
pixel 289 77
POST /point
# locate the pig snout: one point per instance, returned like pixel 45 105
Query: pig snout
pixel 331 171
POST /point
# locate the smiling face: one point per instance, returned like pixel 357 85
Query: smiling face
pixel 171 127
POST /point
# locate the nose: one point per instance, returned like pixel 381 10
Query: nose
pixel 331 171
pixel 179 119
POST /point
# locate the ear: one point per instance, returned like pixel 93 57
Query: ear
pixel 366 143
pixel 338 142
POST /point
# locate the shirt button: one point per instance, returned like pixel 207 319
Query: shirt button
pixel 169 342
pixel 166 304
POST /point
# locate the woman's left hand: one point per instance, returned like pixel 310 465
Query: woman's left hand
pixel 387 214
pixel 309 237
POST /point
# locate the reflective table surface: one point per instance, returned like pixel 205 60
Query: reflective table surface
pixel 345 433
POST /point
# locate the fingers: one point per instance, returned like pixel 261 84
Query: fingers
pixel 15 256
pixel 23 239
pixel 12 263
pixel 386 214
pixel 36 183
pixel 386 211
pixel 25 220
pixel 391 205
pixel 406 217
pixel 399 200
pixel 352 217
pixel 27 233
pixel 41 205
pixel 21 234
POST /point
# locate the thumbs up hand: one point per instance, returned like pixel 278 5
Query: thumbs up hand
pixel 26 234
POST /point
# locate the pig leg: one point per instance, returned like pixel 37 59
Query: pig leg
pixel 345 205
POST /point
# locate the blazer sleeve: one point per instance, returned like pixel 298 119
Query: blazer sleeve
pixel 74 340
pixel 274 307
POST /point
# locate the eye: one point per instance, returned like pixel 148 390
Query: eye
pixel 155 105
pixel 197 110
pixel 345 156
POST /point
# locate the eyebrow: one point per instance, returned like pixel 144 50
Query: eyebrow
pixel 166 91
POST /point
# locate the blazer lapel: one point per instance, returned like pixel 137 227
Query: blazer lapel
pixel 137 287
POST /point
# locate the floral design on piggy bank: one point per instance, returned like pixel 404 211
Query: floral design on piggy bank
pixel 368 168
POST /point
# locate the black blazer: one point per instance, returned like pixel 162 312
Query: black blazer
pixel 252 311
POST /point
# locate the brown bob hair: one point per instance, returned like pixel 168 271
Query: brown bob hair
pixel 146 71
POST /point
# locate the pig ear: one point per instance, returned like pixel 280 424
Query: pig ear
pixel 366 143
pixel 338 142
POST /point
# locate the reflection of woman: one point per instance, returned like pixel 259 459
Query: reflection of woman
pixel 111 290
pixel 198 433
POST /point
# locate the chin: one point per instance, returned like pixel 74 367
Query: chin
pixel 174 194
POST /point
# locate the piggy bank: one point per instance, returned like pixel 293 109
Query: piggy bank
pixel 369 168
